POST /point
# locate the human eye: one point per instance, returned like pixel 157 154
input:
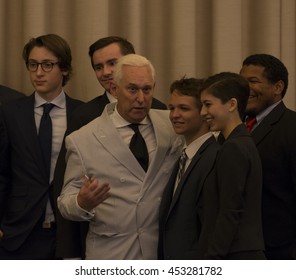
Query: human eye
pixel 47 65
pixel 207 104
pixel 132 89
pixel 98 67
pixel 253 81
pixel 32 65
pixel 171 108
pixel 113 62
pixel 147 90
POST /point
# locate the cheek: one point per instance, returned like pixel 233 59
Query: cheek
pixel 98 74
pixel 148 98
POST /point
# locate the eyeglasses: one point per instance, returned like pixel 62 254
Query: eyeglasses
pixel 46 66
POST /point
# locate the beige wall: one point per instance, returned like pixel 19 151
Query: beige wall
pixel 192 37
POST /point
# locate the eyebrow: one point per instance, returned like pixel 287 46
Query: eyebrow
pixel 108 61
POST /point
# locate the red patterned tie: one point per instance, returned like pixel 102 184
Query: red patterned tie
pixel 250 123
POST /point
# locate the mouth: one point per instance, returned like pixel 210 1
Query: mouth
pixel 177 123
pixel 107 80
pixel 252 97
pixel 39 83
pixel 139 108
pixel 207 119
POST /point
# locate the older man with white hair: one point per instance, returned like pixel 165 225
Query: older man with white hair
pixel 112 184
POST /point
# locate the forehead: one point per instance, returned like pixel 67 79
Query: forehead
pixel 137 74
pixel 41 53
pixel 208 96
pixel 249 71
pixel 179 98
pixel 109 52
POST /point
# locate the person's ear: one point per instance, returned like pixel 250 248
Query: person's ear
pixel 232 104
pixel 279 87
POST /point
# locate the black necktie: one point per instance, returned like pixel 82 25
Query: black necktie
pixel 45 135
pixel 138 147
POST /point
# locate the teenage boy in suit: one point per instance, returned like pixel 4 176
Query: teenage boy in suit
pixel 179 223
pixel 27 213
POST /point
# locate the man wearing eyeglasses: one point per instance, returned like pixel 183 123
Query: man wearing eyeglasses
pixel 32 130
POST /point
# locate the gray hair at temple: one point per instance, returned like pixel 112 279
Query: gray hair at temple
pixel 131 60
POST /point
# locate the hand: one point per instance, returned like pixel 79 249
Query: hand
pixel 92 194
pixel 1 234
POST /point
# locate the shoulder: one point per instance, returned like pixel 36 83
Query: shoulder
pixel 156 104
pixel 7 94
pixel 73 101
pixel 210 146
pixel 158 113
pixel 91 126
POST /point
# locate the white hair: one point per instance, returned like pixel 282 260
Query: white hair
pixel 131 60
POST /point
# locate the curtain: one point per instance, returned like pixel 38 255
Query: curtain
pixel 196 38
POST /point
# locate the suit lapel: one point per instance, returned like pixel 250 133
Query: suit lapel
pixel 28 129
pixel 265 126
pixel 163 143
pixel 193 165
pixel 107 135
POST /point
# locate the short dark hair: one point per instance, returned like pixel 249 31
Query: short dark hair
pixel 227 85
pixel 274 69
pixel 58 46
pixel 126 47
pixel 189 87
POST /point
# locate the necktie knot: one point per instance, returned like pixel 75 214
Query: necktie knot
pixel 47 107
pixel 135 127
pixel 251 121
pixel 138 146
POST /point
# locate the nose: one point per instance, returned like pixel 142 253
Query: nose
pixel 175 113
pixel 39 70
pixel 203 111
pixel 140 95
pixel 107 70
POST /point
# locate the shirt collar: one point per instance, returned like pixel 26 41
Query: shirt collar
pixel 59 101
pixel 111 97
pixel 265 112
pixel 119 121
pixel 194 146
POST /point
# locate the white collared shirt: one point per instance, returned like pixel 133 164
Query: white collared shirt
pixel 58 116
pixel 146 129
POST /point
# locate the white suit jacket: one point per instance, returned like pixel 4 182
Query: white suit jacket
pixel 124 226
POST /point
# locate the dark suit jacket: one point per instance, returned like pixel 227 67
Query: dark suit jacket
pixel 180 226
pixel 23 180
pixel 230 202
pixel 7 94
pixel 71 235
pixel 275 138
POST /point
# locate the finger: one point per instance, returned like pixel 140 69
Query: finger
pixel 101 190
